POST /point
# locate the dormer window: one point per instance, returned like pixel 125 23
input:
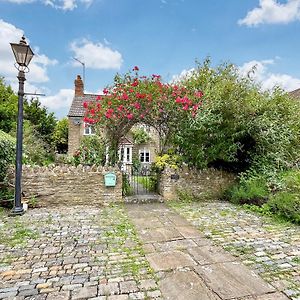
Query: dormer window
pixel 88 129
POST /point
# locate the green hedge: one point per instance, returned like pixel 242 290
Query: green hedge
pixel 7 153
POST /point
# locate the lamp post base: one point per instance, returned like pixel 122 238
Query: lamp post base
pixel 17 211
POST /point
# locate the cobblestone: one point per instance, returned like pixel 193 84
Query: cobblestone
pixel 270 249
pixel 74 253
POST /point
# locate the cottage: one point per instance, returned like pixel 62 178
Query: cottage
pixel 132 149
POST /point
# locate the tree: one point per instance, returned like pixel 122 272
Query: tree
pixel 60 136
pixel 139 99
pixel 8 107
pixel 43 121
pixel 240 126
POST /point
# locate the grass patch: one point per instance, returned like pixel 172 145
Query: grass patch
pixel 16 234
pixel 148 182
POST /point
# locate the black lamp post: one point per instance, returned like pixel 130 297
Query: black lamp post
pixel 23 55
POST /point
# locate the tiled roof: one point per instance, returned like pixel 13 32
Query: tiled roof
pixel 125 141
pixel 77 109
pixel 295 93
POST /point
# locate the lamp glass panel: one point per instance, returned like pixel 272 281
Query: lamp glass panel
pixel 23 54
pixel 28 56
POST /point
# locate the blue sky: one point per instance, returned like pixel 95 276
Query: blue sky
pixel 160 36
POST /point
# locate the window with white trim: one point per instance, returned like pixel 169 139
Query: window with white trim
pixel 88 129
pixel 145 156
pixel 125 154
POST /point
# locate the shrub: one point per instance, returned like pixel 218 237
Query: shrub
pixel 36 150
pixel 136 163
pixel 239 125
pixel 91 151
pixel 127 190
pixel 7 153
pixel 286 202
pixel 251 191
pixel 140 136
pixel 286 205
pixel 60 136
pixel 171 160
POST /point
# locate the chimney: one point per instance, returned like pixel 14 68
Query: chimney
pixel 79 88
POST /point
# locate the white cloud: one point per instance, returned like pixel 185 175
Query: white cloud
pixel 38 65
pixel 258 71
pixel 96 55
pixel 272 12
pixel 58 4
pixel 61 100
pixel 185 74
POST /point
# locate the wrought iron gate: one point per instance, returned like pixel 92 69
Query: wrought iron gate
pixel 142 181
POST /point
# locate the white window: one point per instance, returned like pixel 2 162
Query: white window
pixel 144 156
pixel 88 129
pixel 125 154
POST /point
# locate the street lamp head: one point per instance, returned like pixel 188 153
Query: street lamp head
pixel 23 54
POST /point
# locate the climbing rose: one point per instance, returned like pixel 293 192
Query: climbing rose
pixel 125 96
pixel 130 116
pixel 136 68
pixel 199 94
pixel 137 105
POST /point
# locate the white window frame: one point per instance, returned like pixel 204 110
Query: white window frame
pixel 144 152
pixel 127 154
pixel 88 129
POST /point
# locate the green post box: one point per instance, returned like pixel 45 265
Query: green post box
pixel 110 179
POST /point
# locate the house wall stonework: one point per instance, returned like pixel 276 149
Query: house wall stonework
pixel 74 137
pixel 69 185
pixel 76 133
pixel 205 184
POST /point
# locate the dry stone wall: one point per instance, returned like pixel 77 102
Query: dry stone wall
pixel 205 184
pixel 69 185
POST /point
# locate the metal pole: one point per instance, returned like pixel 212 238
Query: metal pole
pixel 18 206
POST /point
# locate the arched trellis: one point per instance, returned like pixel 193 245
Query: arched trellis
pixel 136 99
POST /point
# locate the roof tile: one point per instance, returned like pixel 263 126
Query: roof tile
pixel 77 109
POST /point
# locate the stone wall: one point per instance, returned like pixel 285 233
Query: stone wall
pixel 205 184
pixel 69 185
pixel 75 132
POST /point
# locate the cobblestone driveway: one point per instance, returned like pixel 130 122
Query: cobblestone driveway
pixel 271 249
pixel 94 253
pixel 79 252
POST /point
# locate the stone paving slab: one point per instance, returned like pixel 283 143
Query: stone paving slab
pixel 179 285
pixel 169 260
pixel 190 267
pixel 272 296
pixel 159 234
pixel 270 248
pixel 174 245
pixel 233 280
pixel 210 254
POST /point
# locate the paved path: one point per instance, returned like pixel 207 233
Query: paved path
pixel 270 248
pixel 188 265
pixel 97 253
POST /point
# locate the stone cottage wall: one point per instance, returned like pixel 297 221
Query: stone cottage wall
pixel 75 133
pixel 204 184
pixel 69 185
